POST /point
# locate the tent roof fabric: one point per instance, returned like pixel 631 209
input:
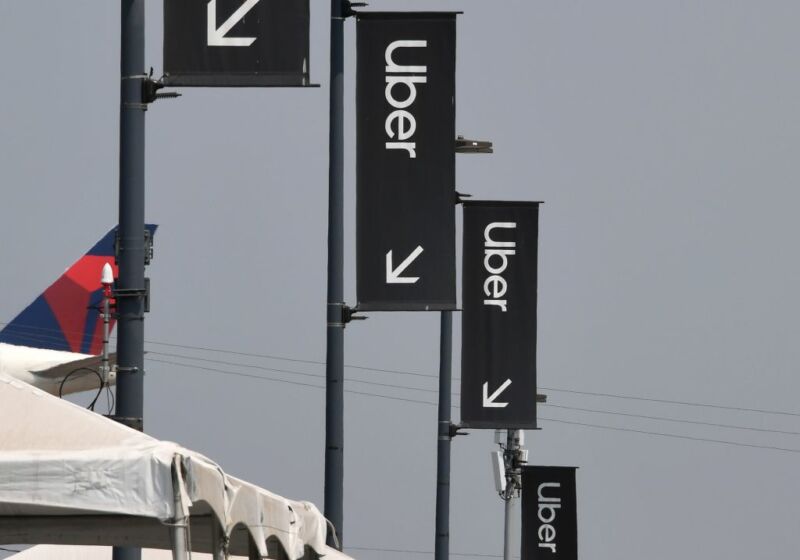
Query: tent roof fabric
pixel 70 476
pixel 51 552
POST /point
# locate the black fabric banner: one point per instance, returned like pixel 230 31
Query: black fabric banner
pixel 549 514
pixel 498 328
pixel 405 161
pixel 236 42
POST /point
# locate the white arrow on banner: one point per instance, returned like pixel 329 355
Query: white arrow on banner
pixel 393 274
pixel 488 401
pixel 217 36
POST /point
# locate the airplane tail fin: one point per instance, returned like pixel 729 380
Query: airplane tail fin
pixel 67 315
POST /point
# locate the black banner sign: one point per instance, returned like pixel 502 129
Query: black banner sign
pixel 498 348
pixel 236 42
pixel 405 161
pixel 549 514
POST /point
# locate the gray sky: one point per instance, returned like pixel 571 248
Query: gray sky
pixel 663 137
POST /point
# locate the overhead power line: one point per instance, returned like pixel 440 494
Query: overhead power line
pixel 676 436
pixel 58 337
pixel 302 373
pixel 417 374
pixel 435 391
pixel 286 381
pixel 667 401
pixel 676 420
pixel 428 403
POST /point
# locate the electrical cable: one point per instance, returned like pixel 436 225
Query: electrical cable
pixel 286 381
pixel 74 371
pixel 316 375
pixel 554 389
pixel 667 401
pixel 676 420
pixel 556 420
pixel 416 374
pixel 676 436
pixel 456 394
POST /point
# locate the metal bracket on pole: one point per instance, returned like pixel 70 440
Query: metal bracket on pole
pixel 135 423
pixel 464 146
pixel 455 430
pixel 135 293
pixel 347 8
pixel 349 314
pixel 132 422
pixel 461 196
pixel 150 90
pixel 148 247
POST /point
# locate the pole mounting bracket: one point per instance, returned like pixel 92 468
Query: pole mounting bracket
pixel 143 293
pixel 465 146
pixel 461 196
pixel 347 8
pixel 148 246
pixel 132 422
pixel 150 90
pixel 455 430
pixel 349 314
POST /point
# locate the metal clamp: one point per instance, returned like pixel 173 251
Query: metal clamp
pixel 132 422
pixel 143 293
pixel 150 90
pixel 455 430
pixel 461 196
pixel 339 314
pixel 347 8
pixel 148 246
pixel 349 314
pixel 450 430
pixel 464 146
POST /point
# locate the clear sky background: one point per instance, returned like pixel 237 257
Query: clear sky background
pixel 663 137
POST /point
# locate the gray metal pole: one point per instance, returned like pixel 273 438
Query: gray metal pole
pixel 181 548
pixel 334 370
pixel 218 548
pixel 508 532
pixel 131 257
pixel 512 485
pixel 442 546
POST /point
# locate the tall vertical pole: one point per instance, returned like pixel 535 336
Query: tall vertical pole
pixel 442 546
pixel 334 369
pixel 508 528
pixel 513 485
pixel 131 256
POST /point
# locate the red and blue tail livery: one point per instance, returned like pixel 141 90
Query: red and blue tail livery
pixel 66 317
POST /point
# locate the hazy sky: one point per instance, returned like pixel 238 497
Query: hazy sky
pixel 663 137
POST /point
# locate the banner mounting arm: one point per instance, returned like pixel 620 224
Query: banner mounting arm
pixel 466 146
pixel 348 10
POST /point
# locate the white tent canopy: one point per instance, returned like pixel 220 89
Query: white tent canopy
pixel 59 552
pixel 52 552
pixel 70 476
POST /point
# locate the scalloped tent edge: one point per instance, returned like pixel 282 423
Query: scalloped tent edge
pixel 69 476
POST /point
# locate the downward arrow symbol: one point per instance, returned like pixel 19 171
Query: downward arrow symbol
pixel 217 36
pixel 393 274
pixel 488 401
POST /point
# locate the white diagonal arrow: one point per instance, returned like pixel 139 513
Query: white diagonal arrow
pixel 217 36
pixel 393 274
pixel 488 401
